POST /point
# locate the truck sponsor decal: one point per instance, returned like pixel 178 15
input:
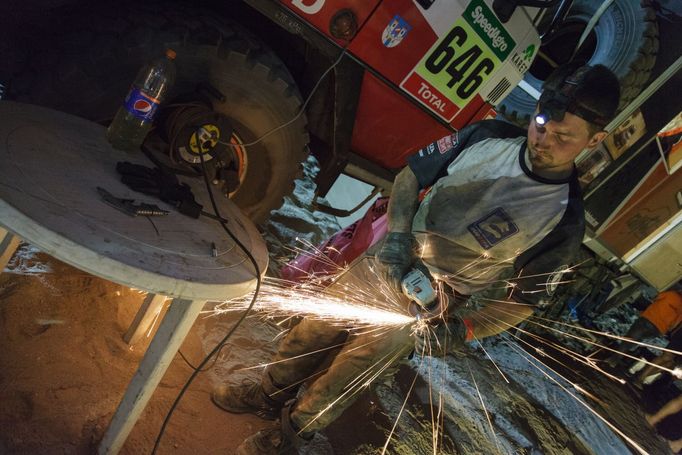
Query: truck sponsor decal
pixel 427 94
pixel 453 70
pixel 523 60
pixel 395 31
pixel 489 28
pixel 309 6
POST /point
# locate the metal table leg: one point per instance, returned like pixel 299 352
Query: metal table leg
pixel 170 335
pixel 148 312
pixel 8 245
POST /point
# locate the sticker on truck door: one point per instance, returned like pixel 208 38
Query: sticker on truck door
pixel 455 68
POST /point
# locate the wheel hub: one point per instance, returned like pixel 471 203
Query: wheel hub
pixel 192 132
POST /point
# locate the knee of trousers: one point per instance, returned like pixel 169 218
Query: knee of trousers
pixel 328 396
pixel 300 354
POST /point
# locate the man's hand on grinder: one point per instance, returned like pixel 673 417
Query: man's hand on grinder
pixel 397 255
pixel 443 338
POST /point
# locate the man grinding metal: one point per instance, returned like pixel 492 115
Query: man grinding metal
pixel 502 203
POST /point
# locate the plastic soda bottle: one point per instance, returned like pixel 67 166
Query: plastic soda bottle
pixel 134 119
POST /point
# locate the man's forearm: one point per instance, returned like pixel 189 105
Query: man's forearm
pixel 404 201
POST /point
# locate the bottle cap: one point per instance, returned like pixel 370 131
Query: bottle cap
pixel 170 53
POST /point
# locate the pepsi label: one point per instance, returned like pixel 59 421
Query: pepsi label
pixel 140 105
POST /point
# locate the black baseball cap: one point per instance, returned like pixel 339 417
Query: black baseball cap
pixel 589 92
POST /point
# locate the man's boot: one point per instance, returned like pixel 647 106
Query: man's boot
pixel 247 398
pixel 280 438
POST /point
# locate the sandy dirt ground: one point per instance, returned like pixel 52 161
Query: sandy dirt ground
pixel 64 367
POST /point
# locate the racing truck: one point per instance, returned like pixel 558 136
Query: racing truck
pixel 360 84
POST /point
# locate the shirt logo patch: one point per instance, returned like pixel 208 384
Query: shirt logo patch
pixel 428 150
pixel 493 228
pixel 446 143
pixel 554 279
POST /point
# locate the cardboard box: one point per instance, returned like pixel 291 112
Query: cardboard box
pixel 626 134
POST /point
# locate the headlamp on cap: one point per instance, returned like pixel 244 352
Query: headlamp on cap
pixel 541 118
pixel 552 106
pixel 554 103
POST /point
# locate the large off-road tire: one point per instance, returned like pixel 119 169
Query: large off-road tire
pixel 86 66
pixel 625 40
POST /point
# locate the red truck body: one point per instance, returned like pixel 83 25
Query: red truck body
pixel 407 100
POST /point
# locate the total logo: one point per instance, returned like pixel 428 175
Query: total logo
pixel 433 99
pixel 421 89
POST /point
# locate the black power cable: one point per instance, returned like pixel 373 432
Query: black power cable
pixel 198 369
pixel 222 342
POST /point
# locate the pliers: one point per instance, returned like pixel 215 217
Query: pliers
pixel 129 207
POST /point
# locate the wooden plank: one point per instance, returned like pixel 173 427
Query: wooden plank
pixel 172 331
pixel 8 245
pixel 146 315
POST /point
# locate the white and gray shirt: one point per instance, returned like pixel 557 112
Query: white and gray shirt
pixel 487 215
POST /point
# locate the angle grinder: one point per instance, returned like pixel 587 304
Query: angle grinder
pixel 417 285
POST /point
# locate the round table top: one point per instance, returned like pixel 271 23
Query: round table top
pixel 52 164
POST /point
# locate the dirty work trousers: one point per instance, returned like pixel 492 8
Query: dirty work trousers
pixel 357 357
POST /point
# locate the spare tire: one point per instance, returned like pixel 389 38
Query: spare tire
pixel 625 39
pixel 86 66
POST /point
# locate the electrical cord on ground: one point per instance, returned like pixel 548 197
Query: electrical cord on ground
pixel 222 342
pixel 189 364
pixel 201 370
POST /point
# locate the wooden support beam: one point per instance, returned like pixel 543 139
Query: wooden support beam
pixel 166 342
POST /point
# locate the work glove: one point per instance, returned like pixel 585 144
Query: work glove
pixel 438 340
pixel 164 185
pixel 396 256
